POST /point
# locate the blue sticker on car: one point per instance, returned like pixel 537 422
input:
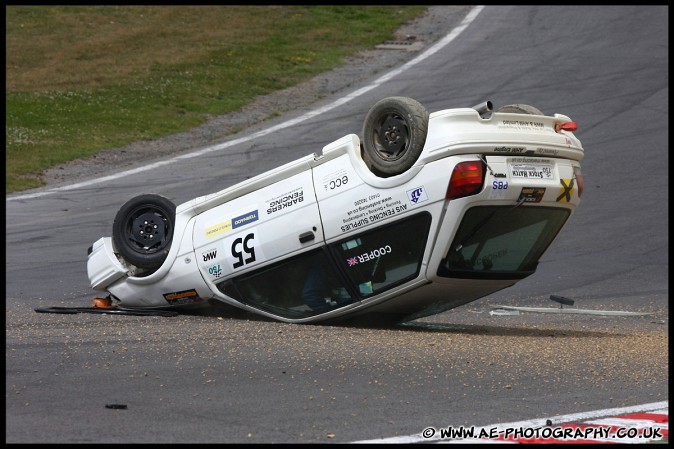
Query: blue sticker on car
pixel 417 195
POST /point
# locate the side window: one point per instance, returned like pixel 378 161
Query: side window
pixel 299 287
pixel 310 284
pixel 379 260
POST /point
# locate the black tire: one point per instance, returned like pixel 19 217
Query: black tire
pixel 143 230
pixel 520 109
pixel 394 134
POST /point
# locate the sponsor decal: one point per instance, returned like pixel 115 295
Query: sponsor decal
pixel 371 209
pixel 531 171
pixel 529 160
pixel 417 195
pixel 210 254
pixel 335 180
pixel 215 271
pixel 522 124
pixel 286 200
pixel 531 194
pixel 565 191
pixel 499 185
pixel 499 189
pixel 182 297
pixel 510 149
pixel 244 219
pixel 220 228
pixel 548 151
pixel 487 261
pixel 232 223
pixel 370 255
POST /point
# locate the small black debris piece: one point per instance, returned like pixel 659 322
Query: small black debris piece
pixel 562 300
pixel 116 406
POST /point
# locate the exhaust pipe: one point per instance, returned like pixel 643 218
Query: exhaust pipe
pixel 483 108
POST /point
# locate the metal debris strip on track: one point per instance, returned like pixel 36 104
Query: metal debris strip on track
pixel 110 311
pixel 511 310
pixel 104 306
pixel 570 311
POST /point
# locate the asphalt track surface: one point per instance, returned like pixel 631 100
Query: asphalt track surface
pixel 226 377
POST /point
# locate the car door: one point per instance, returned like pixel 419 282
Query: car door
pixel 252 230
pixel 265 250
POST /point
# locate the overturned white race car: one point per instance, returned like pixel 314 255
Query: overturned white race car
pixel 423 214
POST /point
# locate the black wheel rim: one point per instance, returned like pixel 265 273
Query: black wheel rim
pixel 147 230
pixel 391 137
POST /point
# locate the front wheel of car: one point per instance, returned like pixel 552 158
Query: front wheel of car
pixel 520 109
pixel 143 229
pixel 394 134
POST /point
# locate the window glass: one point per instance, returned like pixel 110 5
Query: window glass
pixel 501 242
pixel 310 283
pixel 299 287
pixel 378 260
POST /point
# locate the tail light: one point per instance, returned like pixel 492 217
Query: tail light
pixel 579 180
pixel 466 180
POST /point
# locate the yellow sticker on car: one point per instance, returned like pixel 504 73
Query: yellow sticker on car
pixel 566 190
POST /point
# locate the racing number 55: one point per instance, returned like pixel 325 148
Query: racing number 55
pixel 243 243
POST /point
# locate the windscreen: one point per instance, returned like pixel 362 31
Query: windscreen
pixel 501 242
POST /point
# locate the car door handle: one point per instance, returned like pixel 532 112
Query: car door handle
pixel 306 237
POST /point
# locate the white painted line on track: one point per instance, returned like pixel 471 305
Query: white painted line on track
pixel 556 420
pixel 378 82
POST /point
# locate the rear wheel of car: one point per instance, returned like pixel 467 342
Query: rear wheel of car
pixel 520 109
pixel 394 134
pixel 143 229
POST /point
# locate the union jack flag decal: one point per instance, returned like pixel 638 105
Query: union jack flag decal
pixel 352 261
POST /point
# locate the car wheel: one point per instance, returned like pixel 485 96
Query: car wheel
pixel 394 133
pixel 520 109
pixel 143 230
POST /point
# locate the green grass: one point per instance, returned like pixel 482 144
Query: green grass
pixel 85 78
